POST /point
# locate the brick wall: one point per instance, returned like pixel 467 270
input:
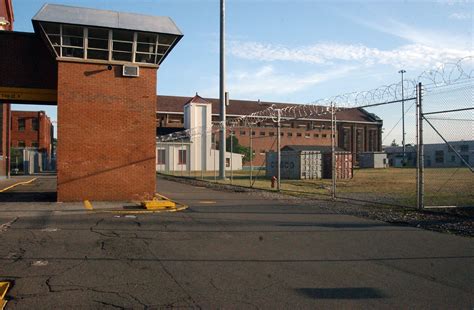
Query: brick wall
pixel 29 135
pixel 268 142
pixel 106 136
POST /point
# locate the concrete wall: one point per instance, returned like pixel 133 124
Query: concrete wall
pixel 106 134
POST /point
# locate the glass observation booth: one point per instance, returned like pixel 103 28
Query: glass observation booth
pixel 106 36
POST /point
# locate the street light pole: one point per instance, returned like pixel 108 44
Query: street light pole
pixel 403 117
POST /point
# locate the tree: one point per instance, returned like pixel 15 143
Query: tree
pixel 394 143
pixel 237 148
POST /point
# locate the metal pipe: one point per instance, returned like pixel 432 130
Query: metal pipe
pixel 403 117
pixel 278 149
pixel 420 149
pixel 251 156
pixel 222 147
pixel 333 150
pixel 231 156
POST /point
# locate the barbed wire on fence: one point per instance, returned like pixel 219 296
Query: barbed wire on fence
pixel 443 75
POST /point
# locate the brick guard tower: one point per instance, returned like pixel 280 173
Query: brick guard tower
pixel 106 97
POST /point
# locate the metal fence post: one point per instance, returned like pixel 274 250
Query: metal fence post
pixel 420 150
pixel 231 156
pixel 251 156
pixel 333 151
pixel 278 149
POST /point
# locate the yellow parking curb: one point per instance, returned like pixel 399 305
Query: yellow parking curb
pixel 16 184
pixel 151 206
pixel 4 286
pixel 88 205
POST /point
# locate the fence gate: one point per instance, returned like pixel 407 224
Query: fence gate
pixel 447 120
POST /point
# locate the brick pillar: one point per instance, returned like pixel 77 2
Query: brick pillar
pixel 106 133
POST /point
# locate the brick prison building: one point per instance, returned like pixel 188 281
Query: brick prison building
pixel 357 130
pixel 32 129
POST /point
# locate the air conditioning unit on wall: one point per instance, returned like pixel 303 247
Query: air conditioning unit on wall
pixel 130 71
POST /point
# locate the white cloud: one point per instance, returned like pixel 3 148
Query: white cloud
pixel 411 55
pixel 430 37
pixel 266 81
pixel 460 16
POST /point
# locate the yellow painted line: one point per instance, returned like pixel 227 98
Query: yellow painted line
pixel 3 292
pixel 16 184
pixel 28 94
pixel 207 202
pixel 88 205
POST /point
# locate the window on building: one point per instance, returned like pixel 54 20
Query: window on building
pixel 359 140
pixel 466 158
pixel 289 134
pixel 464 148
pixel 262 133
pixel 271 133
pixel 439 157
pixel 253 133
pixel 453 158
pixel 298 134
pixel 227 162
pixel 35 124
pixel 98 43
pixel 324 135
pixel 21 124
pixel 35 144
pixel 262 152
pixel 346 136
pixel 161 157
pixel 242 133
pixel 107 44
pixel 307 135
pixel 282 134
pixel 21 143
pixel 182 157
pixel 316 135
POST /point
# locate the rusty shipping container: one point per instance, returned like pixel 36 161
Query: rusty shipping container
pixel 344 165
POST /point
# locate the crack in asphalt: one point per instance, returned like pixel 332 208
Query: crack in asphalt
pixel 4 227
pixel 171 276
pixel 108 304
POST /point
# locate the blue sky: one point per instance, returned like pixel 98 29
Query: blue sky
pixel 299 50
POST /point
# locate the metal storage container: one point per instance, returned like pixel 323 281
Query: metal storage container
pixel 373 160
pixel 295 165
pixel 344 167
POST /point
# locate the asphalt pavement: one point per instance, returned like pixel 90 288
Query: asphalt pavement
pixel 235 250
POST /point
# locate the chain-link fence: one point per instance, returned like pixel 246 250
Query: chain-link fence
pixel 383 162
pixel 448 133
pixel 404 145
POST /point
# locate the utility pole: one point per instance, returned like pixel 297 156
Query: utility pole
pixel 222 95
pixel 403 116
